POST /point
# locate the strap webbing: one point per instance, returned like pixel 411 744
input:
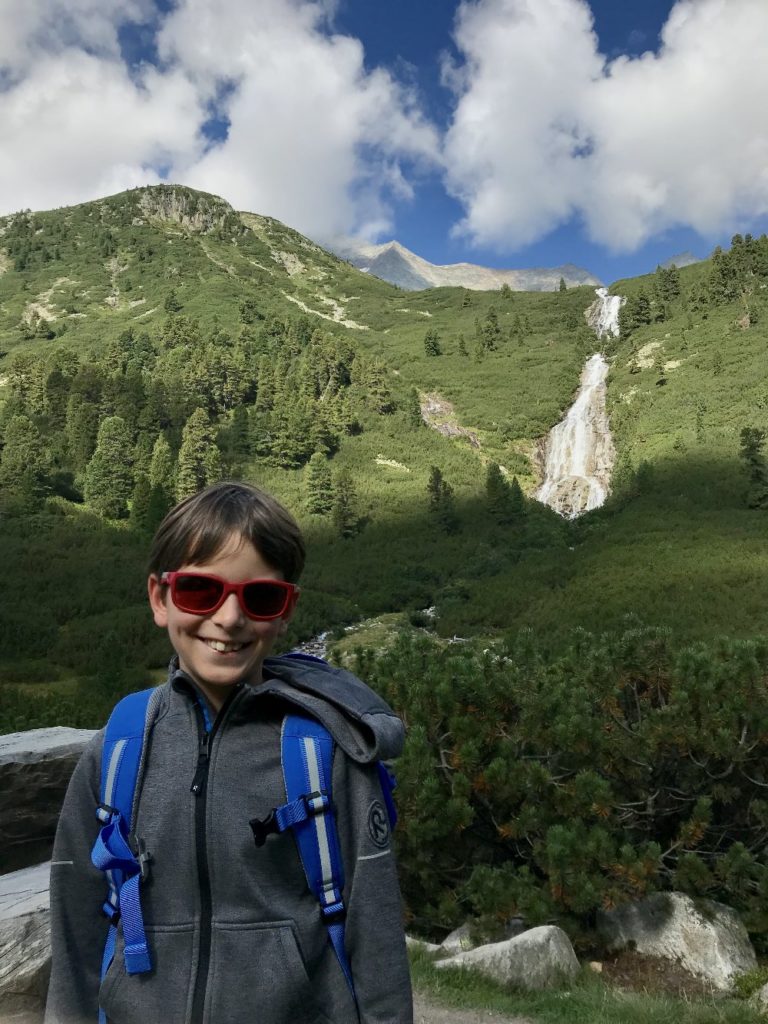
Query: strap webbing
pixel 307 759
pixel 112 853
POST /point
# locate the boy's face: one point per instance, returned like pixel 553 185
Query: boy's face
pixel 216 672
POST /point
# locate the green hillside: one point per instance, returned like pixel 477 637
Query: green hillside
pixel 157 339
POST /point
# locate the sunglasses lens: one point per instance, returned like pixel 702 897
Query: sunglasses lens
pixel 265 599
pixel 196 593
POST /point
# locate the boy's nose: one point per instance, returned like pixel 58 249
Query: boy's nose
pixel 230 612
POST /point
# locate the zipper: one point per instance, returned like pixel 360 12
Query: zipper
pixel 200 789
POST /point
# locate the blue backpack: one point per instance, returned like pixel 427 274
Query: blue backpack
pixel 307 759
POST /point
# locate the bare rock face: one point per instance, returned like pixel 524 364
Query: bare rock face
pixel 539 958
pixel 706 938
pixel 35 767
pixel 25 940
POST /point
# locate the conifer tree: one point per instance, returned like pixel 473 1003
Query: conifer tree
pixel 413 410
pixel 432 343
pixel 563 287
pixel 141 502
pixel 751 445
pixel 109 474
pixel 199 459
pixel 441 501
pixel 319 493
pixel 345 514
pixel 497 493
pixel 25 461
pixel 82 427
pixel 162 465
pixel 462 346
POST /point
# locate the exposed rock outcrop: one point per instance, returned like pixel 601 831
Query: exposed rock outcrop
pixel 35 767
pixel 25 939
pixel 706 938
pixel 539 958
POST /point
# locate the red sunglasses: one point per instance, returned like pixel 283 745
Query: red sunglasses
pixel 200 594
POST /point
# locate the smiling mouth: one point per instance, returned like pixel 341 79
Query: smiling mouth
pixel 223 648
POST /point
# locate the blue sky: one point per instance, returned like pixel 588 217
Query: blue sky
pixel 513 133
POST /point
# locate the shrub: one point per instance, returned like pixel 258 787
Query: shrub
pixel 551 787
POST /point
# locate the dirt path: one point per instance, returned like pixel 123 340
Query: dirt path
pixel 426 1012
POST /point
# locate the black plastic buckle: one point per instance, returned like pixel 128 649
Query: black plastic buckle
pixel 144 857
pixel 263 827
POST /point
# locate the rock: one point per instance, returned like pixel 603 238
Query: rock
pixel 759 1000
pixel 540 958
pixel 596 966
pixel 25 939
pixel 706 938
pixel 458 941
pixel 428 947
pixel 35 767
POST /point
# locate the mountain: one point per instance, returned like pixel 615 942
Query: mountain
pixel 394 263
pixel 164 327
pixel 683 259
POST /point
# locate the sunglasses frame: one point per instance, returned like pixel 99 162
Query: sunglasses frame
pixel 290 590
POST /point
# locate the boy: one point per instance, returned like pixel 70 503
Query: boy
pixel 233 931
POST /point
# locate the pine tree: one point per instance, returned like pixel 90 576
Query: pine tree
pixel 141 502
pixel 172 303
pixel 109 474
pixel 413 410
pixel 441 501
pixel 199 459
pixel 563 287
pixel 25 462
pixel 162 465
pixel 319 494
pixel 497 493
pixel 462 346
pixel 82 427
pixel 432 343
pixel 345 515
pixel 751 444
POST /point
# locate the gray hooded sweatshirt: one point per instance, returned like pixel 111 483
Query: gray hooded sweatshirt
pixel 235 934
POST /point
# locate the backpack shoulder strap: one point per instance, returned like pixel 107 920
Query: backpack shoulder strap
pixel 307 759
pixel 121 763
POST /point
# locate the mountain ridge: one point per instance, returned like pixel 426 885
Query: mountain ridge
pixel 393 262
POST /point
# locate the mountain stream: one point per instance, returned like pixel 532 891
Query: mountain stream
pixel 579 452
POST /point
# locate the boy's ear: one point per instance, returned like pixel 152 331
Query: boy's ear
pixel 157 595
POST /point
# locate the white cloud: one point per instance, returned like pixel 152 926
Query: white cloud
pixel 544 128
pixel 77 127
pixel 315 138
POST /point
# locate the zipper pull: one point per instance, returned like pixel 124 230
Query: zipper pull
pixel 198 783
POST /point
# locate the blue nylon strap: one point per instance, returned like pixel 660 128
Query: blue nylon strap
pixel 106 960
pixel 307 758
pixel 112 854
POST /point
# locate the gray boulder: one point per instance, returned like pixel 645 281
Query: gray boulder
pixel 25 939
pixel 459 941
pixel 539 958
pixel 706 938
pixel 414 943
pixel 759 1000
pixel 35 767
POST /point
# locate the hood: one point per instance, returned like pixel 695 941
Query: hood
pixel 359 720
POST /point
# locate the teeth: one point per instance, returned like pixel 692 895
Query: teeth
pixel 218 645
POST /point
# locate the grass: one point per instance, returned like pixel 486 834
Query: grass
pixel 587 1001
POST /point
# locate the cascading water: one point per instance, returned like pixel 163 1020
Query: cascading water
pixel 579 451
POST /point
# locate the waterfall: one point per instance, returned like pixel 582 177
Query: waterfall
pixel 603 314
pixel 579 451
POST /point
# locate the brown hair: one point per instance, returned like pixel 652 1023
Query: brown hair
pixel 199 527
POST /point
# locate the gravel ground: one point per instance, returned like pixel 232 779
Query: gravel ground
pixel 425 1012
